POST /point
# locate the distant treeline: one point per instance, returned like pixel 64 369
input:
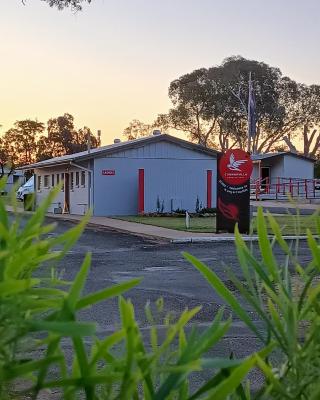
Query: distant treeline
pixel 31 141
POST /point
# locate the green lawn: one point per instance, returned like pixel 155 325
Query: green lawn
pixel 196 224
pixel 288 223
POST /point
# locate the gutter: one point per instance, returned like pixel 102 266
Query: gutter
pixel 34 166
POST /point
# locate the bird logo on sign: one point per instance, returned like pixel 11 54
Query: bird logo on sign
pixel 233 164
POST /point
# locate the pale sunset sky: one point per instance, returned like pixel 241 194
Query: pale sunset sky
pixel 114 61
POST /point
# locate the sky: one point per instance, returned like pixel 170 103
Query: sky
pixel 113 62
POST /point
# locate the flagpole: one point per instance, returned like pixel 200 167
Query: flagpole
pixel 249 114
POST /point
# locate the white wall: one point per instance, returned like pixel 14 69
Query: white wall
pixel 295 167
pixel 255 171
pixel 79 195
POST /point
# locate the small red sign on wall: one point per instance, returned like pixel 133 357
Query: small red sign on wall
pixel 108 172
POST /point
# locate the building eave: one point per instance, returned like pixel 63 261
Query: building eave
pixel 262 157
pixel 113 149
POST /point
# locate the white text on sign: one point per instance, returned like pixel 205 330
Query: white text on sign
pixel 108 172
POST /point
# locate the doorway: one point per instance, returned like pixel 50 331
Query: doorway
pixel 66 206
pixel 265 176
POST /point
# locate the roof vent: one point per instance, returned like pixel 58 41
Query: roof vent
pixel 117 141
pixel 156 132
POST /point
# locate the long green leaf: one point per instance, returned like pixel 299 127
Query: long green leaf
pixel 14 286
pixel 222 291
pixel 79 282
pixel 265 247
pixel 315 249
pixel 107 293
pixel 72 329
pixel 230 384
pixel 28 367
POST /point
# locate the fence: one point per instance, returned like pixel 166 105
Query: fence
pixel 280 188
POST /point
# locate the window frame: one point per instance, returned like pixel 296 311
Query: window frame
pixel 46 179
pixel 62 180
pixel 71 181
pixel 77 179
pixel 83 179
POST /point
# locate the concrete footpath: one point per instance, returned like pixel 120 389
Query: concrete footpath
pixel 157 232
pixel 175 236
pixel 151 231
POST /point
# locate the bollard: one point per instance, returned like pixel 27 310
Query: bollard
pixel 187 220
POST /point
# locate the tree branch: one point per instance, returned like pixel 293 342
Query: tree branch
pixel 291 146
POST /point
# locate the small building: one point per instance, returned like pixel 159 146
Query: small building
pixel 277 175
pixel 283 165
pixel 154 173
pixel 15 179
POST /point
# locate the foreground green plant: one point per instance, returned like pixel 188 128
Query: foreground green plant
pixel 38 313
pixel 285 297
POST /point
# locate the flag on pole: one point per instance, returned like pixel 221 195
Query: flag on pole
pixel 251 111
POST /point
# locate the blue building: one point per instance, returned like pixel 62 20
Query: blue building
pixel 127 178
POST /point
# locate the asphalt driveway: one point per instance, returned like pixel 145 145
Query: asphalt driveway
pixel 117 257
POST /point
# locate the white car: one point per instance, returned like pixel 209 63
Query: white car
pixel 27 188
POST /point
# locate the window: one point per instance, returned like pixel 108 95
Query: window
pixel 58 179
pixel 46 181
pixel 83 178
pixel 71 181
pixel 77 179
pixel 39 183
pixel 52 180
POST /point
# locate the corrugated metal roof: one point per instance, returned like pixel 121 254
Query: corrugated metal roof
pixel 257 157
pixel 266 155
pixel 115 147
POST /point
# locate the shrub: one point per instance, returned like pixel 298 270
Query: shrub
pixel 179 211
pixel 209 210
pixel 39 312
pixel 286 297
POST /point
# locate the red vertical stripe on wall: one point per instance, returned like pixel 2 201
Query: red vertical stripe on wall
pixel 209 188
pixel 141 192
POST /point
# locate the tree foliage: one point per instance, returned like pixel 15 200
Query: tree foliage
pixel 63 138
pixel 137 129
pixel 306 114
pixel 75 5
pixel 210 105
pixel 17 145
pixel 26 142
pixel 61 4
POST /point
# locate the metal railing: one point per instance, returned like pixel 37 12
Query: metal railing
pixel 280 188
